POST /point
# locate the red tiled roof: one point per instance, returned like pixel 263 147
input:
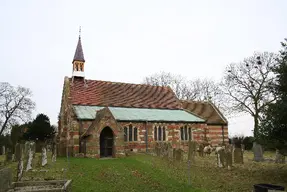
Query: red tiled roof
pixel 206 110
pixel 105 93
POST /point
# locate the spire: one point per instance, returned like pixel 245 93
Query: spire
pixel 79 54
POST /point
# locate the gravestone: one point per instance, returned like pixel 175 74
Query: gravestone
pixel 257 152
pixel 31 151
pixel 170 152
pixel 179 154
pixel 44 155
pixel 228 156
pixel 9 156
pixel 54 153
pixel 5 179
pixel 238 156
pixel 220 157
pixel 19 154
pixel 200 150
pixel 191 151
pixel 3 150
pixel 279 158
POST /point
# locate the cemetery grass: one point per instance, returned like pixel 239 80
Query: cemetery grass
pixel 132 173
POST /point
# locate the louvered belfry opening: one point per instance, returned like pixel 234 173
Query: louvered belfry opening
pixel 106 142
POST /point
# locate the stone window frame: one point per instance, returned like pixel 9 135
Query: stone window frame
pixel 189 132
pixel 164 132
pixel 126 133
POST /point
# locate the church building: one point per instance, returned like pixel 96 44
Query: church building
pixel 107 119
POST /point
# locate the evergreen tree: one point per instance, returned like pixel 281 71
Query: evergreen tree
pixel 40 129
pixel 273 129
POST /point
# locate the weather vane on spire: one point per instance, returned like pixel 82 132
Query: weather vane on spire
pixel 80 31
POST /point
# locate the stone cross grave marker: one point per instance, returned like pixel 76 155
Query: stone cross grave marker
pixel 257 152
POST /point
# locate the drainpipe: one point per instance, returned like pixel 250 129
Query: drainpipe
pixel 146 137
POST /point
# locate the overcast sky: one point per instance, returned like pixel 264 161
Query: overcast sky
pixel 125 41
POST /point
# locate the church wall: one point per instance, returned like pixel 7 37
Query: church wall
pixel 215 134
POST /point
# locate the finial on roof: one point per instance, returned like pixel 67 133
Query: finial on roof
pixel 80 32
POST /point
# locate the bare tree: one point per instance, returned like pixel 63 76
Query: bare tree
pixel 246 85
pixel 198 89
pixel 15 105
pixel 181 87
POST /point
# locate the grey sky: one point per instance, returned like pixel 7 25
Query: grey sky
pixel 128 40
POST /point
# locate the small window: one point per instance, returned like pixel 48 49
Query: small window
pixel 185 133
pixel 126 134
pixel 155 133
pixel 135 134
pixel 130 133
pixel 159 133
pixel 189 133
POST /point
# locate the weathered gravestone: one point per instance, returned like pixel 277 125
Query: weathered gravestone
pixel 9 155
pixel 157 149
pixel 200 150
pixel 44 155
pixel 228 156
pixel 257 152
pixel 238 156
pixel 220 156
pixel 170 151
pixel 30 155
pixel 19 157
pixel 178 155
pixel 279 158
pixel 164 151
pixel 54 152
pixel 5 179
pixel 17 152
pixel 191 151
pixel 3 150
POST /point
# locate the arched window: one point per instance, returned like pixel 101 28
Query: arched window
pixel 159 133
pixel 185 133
pixel 130 133
pixel 126 134
pixel 135 134
pixel 155 133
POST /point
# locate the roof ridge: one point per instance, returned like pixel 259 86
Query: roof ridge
pixel 118 82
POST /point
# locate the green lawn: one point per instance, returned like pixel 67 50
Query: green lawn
pixel 148 173
pixel 133 173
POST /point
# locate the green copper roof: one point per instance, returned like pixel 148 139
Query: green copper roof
pixel 138 114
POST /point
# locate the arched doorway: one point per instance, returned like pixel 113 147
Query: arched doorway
pixel 106 142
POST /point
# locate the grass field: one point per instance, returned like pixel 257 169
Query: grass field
pixel 148 173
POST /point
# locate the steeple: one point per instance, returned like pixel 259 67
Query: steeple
pixel 79 60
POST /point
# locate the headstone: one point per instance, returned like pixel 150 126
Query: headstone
pixel 20 155
pixel 200 150
pixel 54 152
pixel 9 155
pixel 170 152
pixel 228 156
pixel 220 157
pixel 6 179
pixel 44 155
pixel 179 154
pixel 279 158
pixel 191 151
pixel 30 155
pixel 238 156
pixel 258 152
pixel 18 152
pixel 3 150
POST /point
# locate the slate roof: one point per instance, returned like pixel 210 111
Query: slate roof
pixel 205 110
pixel 138 114
pixel 79 54
pixel 114 94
